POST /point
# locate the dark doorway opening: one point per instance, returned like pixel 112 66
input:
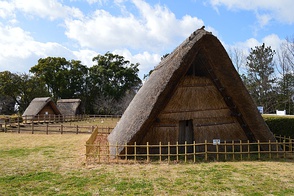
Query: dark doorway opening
pixel 186 134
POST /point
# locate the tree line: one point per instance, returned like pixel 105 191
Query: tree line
pixel 268 75
pixel 107 87
pixel 110 84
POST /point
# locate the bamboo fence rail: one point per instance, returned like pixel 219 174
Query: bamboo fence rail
pixel 208 151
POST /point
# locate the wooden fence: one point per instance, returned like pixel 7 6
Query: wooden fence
pixel 48 128
pixel 208 151
pixel 48 124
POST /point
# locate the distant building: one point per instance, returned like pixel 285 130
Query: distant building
pixel 41 108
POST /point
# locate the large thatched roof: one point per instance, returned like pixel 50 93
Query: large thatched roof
pixel 38 104
pixel 69 106
pixel 205 51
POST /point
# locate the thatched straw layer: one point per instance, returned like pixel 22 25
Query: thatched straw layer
pixel 196 84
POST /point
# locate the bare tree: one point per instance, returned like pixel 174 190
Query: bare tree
pixel 238 58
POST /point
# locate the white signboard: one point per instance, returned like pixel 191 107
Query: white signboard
pixel 216 141
pixel 282 112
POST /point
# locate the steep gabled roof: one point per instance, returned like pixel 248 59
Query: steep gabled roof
pixel 68 106
pixel 206 53
pixel 38 104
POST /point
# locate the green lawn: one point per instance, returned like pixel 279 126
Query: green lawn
pixel 38 164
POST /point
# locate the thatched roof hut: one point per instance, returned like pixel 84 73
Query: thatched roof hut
pixel 69 107
pixel 194 94
pixel 41 107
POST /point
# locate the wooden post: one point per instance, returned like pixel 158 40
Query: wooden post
pixel 194 151
pixel 135 151
pixel 177 151
pixel 241 150
pixel 284 150
pixel 185 151
pixel 147 152
pixel 126 152
pixel 225 143
pixel 32 127
pixel 270 149
pixel 98 151
pixel 47 128
pixel 77 129
pixel 277 149
pixel 217 153
pixel 258 148
pixel 160 153
pixel 116 152
pixel 61 129
pixel 107 152
pixel 18 124
pixel 233 149
pixel 248 150
pixel 168 152
pixel 205 149
pixel 5 126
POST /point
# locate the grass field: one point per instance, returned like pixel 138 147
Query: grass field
pixel 38 164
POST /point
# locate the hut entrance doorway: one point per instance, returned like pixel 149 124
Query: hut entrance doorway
pixel 186 134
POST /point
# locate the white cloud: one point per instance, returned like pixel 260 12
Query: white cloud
pixel 281 10
pixel 6 9
pixel 85 56
pixel 19 51
pixel 146 60
pixel 156 29
pixel 50 9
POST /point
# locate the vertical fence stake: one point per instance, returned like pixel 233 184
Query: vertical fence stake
pixel 126 152
pixel 168 152
pixel 147 148
pixel 177 151
pixel 5 126
pixel 116 152
pixel 18 124
pixel 233 149
pixel 258 148
pixel 270 149
pixel 186 151
pixel 248 150
pixel 225 143
pixel 47 128
pixel 194 151
pixel 205 149
pixel 108 152
pixel 217 153
pixel 61 129
pixel 135 151
pixel 284 150
pixel 160 153
pixel 241 150
pixel 32 127
pixel 77 129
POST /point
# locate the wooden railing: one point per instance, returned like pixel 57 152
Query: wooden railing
pixel 207 151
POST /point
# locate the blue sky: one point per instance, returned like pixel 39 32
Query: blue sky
pixel 140 30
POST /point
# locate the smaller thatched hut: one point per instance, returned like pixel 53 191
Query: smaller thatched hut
pixel 40 108
pixel 69 107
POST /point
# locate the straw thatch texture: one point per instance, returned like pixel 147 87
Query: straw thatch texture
pixel 69 107
pixel 196 83
pixel 41 106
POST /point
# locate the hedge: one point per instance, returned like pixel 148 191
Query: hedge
pixel 280 125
